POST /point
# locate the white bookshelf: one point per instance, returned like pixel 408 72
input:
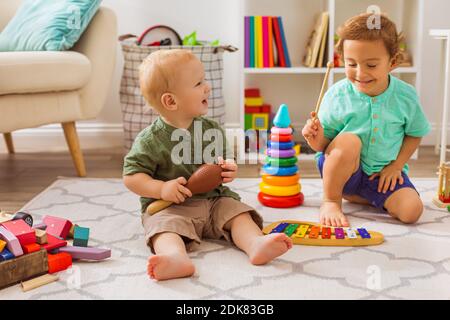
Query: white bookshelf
pixel 299 86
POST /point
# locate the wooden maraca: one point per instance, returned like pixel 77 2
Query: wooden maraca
pixel 206 178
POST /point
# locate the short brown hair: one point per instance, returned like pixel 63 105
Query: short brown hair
pixel 356 28
pixel 158 73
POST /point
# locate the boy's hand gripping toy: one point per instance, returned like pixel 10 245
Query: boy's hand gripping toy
pixel 206 178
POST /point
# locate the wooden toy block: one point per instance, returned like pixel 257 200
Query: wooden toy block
pixel 53 243
pixel 266 108
pixel 254 102
pixel 40 226
pixel 41 236
pixel 252 93
pixel 59 262
pixel 86 253
pixel 71 231
pixel 12 243
pixel 32 247
pixel 5 254
pixel 57 227
pixel 2 245
pixel 21 231
pixel 39 282
pixel 23 268
pixel 4 217
pixel 260 121
pixel 81 237
pixel 249 110
pixel 339 236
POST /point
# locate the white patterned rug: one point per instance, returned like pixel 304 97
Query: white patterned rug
pixel 413 263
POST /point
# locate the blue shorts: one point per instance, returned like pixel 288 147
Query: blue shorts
pixel 359 184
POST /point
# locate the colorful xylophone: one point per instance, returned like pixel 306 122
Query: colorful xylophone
pixel 314 234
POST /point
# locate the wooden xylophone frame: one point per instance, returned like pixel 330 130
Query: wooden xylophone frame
pixel 375 237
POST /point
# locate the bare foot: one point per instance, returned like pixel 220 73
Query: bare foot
pixel 163 267
pixel 266 248
pixel 331 214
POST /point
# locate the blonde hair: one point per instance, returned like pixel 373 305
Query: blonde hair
pixel 158 73
pixel 356 28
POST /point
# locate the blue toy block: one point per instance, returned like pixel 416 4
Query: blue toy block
pixel 6 255
pixel 80 236
pixel 282 119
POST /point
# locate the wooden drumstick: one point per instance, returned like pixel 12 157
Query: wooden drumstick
pixel 322 91
pixel 204 179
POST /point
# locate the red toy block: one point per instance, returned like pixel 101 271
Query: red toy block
pixel 252 93
pixel 57 227
pixel 32 247
pixel 53 243
pixel 59 262
pixel 21 231
pixel 265 108
pixel 250 110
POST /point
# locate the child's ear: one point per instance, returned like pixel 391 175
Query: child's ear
pixel 395 61
pixel 168 101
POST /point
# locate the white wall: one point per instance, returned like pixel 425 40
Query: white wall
pixel 214 19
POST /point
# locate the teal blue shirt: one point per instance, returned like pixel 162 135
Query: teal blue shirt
pixel 380 122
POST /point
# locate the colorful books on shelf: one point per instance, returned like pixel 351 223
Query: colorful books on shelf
pixel 265 42
pixel 317 43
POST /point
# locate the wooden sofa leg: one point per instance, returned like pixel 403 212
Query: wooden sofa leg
pixel 9 142
pixel 70 132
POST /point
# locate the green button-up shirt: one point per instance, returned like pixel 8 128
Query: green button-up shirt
pixel 381 122
pixel 153 148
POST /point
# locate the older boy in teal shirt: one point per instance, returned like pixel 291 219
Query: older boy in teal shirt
pixel 368 127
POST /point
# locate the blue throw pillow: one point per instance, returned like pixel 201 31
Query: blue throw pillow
pixel 47 25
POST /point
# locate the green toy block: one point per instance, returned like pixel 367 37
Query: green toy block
pixel 80 236
pixel 248 121
pixel 448 208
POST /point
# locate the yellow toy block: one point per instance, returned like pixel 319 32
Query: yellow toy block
pixel 254 102
pixel 260 121
pixel 2 245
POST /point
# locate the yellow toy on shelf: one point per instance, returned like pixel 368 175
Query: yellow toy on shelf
pixel 314 234
pixel 442 198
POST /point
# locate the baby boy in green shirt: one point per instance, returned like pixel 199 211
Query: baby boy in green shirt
pixel 173 82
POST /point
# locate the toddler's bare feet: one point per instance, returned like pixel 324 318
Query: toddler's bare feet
pixel 331 214
pixel 163 267
pixel 266 248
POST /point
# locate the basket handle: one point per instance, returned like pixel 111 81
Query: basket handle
pixel 126 36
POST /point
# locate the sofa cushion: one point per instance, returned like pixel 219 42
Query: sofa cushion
pixel 41 71
pixel 43 25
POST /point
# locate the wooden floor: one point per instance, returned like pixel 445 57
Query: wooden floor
pixel 24 175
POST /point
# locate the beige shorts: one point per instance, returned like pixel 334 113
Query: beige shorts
pixel 195 219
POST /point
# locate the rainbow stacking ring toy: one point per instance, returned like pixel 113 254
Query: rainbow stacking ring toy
pixel 282 131
pixel 280 187
pixel 281 153
pixel 281 202
pixel 281 162
pixel 281 181
pixel 281 137
pixel 281 145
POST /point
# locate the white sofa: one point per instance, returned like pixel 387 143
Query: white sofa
pixel 38 88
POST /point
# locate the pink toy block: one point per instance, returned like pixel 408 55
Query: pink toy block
pixel 57 227
pixel 22 231
pixel 13 243
pixel 86 253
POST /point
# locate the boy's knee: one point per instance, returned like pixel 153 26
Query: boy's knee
pixel 409 212
pixel 347 146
